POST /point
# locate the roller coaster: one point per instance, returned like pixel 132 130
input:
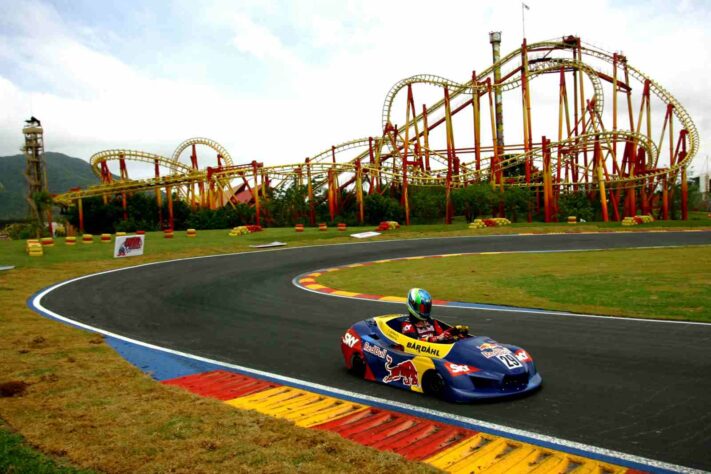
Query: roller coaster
pixel 628 162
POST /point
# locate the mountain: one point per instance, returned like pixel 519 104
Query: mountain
pixel 63 172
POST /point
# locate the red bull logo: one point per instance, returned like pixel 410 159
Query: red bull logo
pixel 405 371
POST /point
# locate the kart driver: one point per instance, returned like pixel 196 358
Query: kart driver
pixel 420 325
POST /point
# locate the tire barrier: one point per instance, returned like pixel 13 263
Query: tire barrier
pixel 191 233
pixel 237 231
pixel 47 242
pixel 168 234
pixel 34 248
pixel 388 225
pixel 495 222
pixel 299 228
pixel 105 238
pixel 636 220
pixel 87 239
pixel 341 226
pixel 70 240
pixel 572 220
pixel 322 227
pixel 120 234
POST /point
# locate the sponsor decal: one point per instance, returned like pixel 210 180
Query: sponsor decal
pixel 456 370
pixel 489 350
pixel 405 371
pixel 127 246
pixel 423 349
pixel 375 350
pixel 350 340
pixel 407 327
pixel 523 356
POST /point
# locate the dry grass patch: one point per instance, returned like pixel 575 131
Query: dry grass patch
pixel 85 404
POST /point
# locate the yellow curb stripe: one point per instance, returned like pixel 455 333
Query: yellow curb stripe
pixel 316 286
pixel 354 265
pixel 344 293
pixel 394 299
pixel 304 281
pixel 303 408
pixel 496 455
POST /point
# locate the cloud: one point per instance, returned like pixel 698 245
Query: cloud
pixel 285 80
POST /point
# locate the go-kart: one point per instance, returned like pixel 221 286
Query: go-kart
pixel 466 369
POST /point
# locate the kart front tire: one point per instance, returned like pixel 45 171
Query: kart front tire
pixel 358 365
pixel 433 383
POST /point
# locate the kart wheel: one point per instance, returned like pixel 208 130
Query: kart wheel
pixel 433 383
pixel 358 365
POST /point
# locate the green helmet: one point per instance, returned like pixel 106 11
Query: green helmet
pixel 419 304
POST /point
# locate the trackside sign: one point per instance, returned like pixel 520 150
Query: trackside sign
pixel 128 246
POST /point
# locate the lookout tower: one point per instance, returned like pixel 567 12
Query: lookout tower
pixel 35 169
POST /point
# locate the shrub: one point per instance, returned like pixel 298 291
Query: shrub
pixel 474 200
pixel 380 208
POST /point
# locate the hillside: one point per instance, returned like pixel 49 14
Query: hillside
pixel 63 172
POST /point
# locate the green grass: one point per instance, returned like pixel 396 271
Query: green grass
pixel 17 457
pixel 673 283
pixel 217 241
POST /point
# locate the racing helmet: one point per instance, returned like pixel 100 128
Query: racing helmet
pixel 419 304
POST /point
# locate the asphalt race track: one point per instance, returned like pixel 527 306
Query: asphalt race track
pixel 638 387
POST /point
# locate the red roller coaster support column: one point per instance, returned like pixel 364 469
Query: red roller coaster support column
pixel 170 206
pixel 665 198
pixel 405 198
pixel 310 191
pixel 597 159
pixel 547 181
pixel 426 137
pixel 255 192
pixel 374 176
pixel 359 191
pixel 159 200
pixel 477 125
pixel 80 207
pixel 331 196
pixel 684 182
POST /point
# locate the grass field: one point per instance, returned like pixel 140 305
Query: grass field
pixel 85 405
pixel 216 241
pixel 672 283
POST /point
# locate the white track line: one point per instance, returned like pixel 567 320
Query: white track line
pixel 36 304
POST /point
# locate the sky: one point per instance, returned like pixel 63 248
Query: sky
pixel 277 81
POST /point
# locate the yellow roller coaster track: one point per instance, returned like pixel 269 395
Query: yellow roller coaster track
pixel 592 151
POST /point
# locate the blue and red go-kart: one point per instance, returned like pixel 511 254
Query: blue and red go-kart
pixel 467 369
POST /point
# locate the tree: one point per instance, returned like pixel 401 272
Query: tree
pixel 426 203
pixel 474 200
pixel 517 200
pixel 380 208
pixel 575 204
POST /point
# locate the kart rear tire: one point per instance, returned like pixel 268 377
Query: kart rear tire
pixel 358 365
pixel 433 383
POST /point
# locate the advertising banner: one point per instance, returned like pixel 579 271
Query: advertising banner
pixel 128 246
